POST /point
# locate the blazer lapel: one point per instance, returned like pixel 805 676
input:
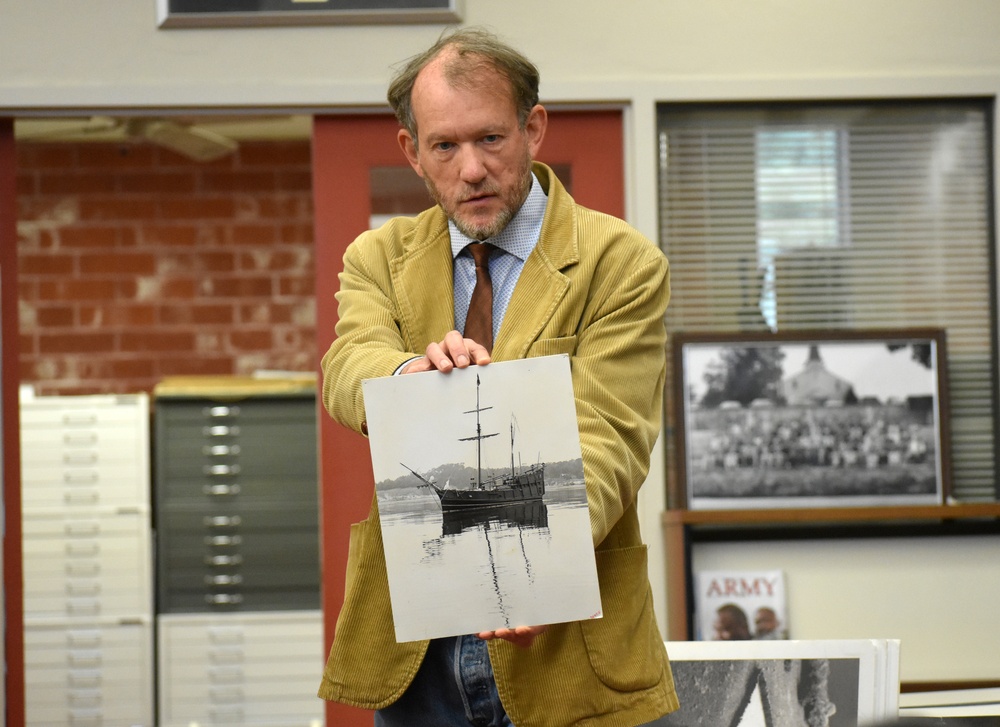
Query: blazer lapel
pixel 422 282
pixel 541 285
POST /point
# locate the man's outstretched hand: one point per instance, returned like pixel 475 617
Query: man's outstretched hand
pixel 523 636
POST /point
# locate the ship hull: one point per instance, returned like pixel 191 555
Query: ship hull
pixel 524 487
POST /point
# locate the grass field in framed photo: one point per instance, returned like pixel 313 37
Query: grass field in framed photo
pixel 811 419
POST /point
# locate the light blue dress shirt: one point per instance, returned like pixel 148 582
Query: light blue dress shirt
pixel 514 244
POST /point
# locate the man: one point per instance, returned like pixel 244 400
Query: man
pixel 766 624
pixel 564 280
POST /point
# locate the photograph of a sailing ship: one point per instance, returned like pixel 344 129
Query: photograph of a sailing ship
pixel 481 497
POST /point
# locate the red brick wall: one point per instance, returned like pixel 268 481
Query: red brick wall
pixel 137 263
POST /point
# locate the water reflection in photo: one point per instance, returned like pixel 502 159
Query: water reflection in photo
pixel 468 571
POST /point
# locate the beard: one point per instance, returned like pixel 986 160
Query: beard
pixel 511 199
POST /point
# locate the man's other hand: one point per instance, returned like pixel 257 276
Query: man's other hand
pixel 453 352
pixel 523 636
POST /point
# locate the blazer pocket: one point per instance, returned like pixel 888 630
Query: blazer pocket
pixel 625 648
pixel 366 666
pixel 552 346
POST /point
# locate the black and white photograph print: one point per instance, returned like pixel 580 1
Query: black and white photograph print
pixel 481 497
pixel 783 683
pixel 806 419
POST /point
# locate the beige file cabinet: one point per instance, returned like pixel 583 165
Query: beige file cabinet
pixel 255 669
pixel 88 604
pixel 93 675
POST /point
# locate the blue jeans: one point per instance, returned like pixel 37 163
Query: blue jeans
pixel 454 687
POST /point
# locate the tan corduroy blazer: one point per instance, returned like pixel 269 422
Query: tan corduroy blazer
pixel 595 289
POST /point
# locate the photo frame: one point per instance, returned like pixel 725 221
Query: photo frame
pixel 811 419
pixel 243 13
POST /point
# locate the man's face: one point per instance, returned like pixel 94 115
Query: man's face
pixel 729 628
pixel 471 151
pixel 765 621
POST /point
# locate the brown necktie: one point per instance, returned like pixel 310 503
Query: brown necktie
pixel 479 320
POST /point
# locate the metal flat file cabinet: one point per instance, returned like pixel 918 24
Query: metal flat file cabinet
pixel 88 575
pixel 236 495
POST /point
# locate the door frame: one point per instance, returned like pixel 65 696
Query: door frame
pixel 345 148
pixel 10 376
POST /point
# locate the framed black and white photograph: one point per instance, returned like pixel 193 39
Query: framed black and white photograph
pixel 481 497
pixel 222 13
pixel 811 419
pixel 834 683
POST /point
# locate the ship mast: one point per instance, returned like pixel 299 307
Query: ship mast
pixel 512 472
pixel 479 436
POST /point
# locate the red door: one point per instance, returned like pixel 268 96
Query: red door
pixel 13 607
pixel 349 152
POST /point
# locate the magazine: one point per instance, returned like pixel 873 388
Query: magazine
pixel 740 606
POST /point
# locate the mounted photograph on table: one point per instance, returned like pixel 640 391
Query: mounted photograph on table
pixel 811 419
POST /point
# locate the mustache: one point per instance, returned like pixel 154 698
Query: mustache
pixel 482 190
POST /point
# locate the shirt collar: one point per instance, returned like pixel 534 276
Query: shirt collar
pixel 520 235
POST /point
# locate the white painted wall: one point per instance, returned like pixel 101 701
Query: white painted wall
pixel 108 54
pixel 937 595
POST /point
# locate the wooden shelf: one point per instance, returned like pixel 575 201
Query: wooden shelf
pixel 680 527
pixel 833 515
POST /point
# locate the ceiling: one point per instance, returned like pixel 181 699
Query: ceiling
pixel 200 137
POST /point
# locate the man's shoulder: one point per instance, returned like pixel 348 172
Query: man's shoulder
pixel 573 231
pixel 399 235
pixel 601 233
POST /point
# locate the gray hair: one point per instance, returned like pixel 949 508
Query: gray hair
pixel 475 50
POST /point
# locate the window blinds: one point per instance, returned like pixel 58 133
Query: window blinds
pixel 841 216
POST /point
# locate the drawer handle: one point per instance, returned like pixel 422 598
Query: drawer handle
pixel 220 430
pixel 82 570
pixel 78 419
pixel 80 439
pixel 224 599
pixel 226 695
pixel 222 541
pixel 84 700
pixel 221 470
pixel 84 639
pixel 83 549
pixel 79 458
pixel 81 680
pixel 222 521
pixel 88 497
pixel 221 450
pixel 221 490
pixel 221 411
pixel 85 660
pixel 226 716
pixel 84 608
pixel 80 478
pixel 224 580
pixel 225 635
pixel 223 560
pixel 83 529
pixel 83 589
